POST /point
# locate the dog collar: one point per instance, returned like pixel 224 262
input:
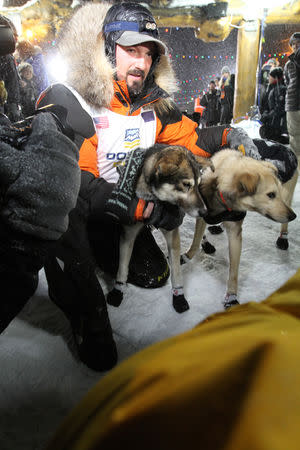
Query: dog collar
pixel 224 202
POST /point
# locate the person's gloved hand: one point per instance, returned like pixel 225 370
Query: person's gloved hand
pixel 13 112
pixel 123 202
pixel 238 139
pixel 166 216
pixel 40 181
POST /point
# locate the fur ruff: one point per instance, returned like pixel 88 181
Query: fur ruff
pixel 89 71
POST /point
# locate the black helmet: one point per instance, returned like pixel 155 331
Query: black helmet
pixel 129 24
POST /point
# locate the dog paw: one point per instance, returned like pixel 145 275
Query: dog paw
pixel 208 248
pixel 180 304
pixel 114 297
pixel 282 243
pixel 230 300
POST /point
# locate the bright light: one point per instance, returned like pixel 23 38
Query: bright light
pixel 29 34
pixel 255 9
pixel 56 68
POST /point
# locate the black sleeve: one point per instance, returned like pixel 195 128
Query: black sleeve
pixel 97 191
pixel 210 139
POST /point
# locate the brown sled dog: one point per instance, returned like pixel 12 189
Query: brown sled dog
pixel 240 183
pixel 170 174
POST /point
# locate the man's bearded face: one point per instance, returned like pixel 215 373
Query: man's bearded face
pixel 133 65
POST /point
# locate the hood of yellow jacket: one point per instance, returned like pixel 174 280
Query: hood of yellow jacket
pixel 89 71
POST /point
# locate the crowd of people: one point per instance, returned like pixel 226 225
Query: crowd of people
pixel 278 99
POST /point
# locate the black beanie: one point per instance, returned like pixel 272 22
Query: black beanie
pixel 277 72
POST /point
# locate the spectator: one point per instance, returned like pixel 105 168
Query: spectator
pixel 274 117
pixel 9 75
pixel 263 83
pixel 36 166
pixel 211 102
pixel 27 89
pixel 226 96
pixel 32 54
pixel 292 101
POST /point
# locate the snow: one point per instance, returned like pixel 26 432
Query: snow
pixel 41 377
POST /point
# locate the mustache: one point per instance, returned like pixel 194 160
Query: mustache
pixel 137 72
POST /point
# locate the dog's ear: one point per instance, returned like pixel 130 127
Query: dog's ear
pixel 165 168
pixel 204 162
pixel 246 183
pixel 270 166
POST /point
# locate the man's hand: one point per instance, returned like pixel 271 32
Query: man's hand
pixel 39 181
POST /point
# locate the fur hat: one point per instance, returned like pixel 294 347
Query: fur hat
pixel 225 69
pixel 294 37
pixel 277 72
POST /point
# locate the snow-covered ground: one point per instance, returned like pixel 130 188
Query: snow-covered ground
pixel 41 378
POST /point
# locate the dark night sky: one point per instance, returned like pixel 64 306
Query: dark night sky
pixel 196 62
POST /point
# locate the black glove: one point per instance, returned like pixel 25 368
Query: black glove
pixel 123 201
pixel 39 181
pixel 166 216
pixel 238 139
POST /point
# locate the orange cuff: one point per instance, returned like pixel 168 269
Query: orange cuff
pixel 224 136
pixel 138 215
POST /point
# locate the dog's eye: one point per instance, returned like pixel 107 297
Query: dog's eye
pixel 271 195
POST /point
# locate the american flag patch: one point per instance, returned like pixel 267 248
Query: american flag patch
pixel 101 122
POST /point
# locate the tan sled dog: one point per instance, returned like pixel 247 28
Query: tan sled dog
pixel 170 174
pixel 240 183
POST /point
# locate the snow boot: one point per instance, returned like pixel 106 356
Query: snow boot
pixel 94 341
pixel 77 292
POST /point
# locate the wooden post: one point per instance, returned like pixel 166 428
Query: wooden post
pixel 247 63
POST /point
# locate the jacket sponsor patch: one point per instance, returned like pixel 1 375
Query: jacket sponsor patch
pixel 132 138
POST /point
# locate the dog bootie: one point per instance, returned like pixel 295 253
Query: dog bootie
pixel 179 302
pixel 215 229
pixel 230 300
pixel 115 296
pixel 282 242
pixel 208 248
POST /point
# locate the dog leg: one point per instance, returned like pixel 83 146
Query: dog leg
pixel 198 235
pixel 173 243
pixel 234 235
pixel 288 192
pixel 127 239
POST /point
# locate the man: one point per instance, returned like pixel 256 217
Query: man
pixel 37 165
pixel 118 99
pixel 292 100
pixel 211 102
